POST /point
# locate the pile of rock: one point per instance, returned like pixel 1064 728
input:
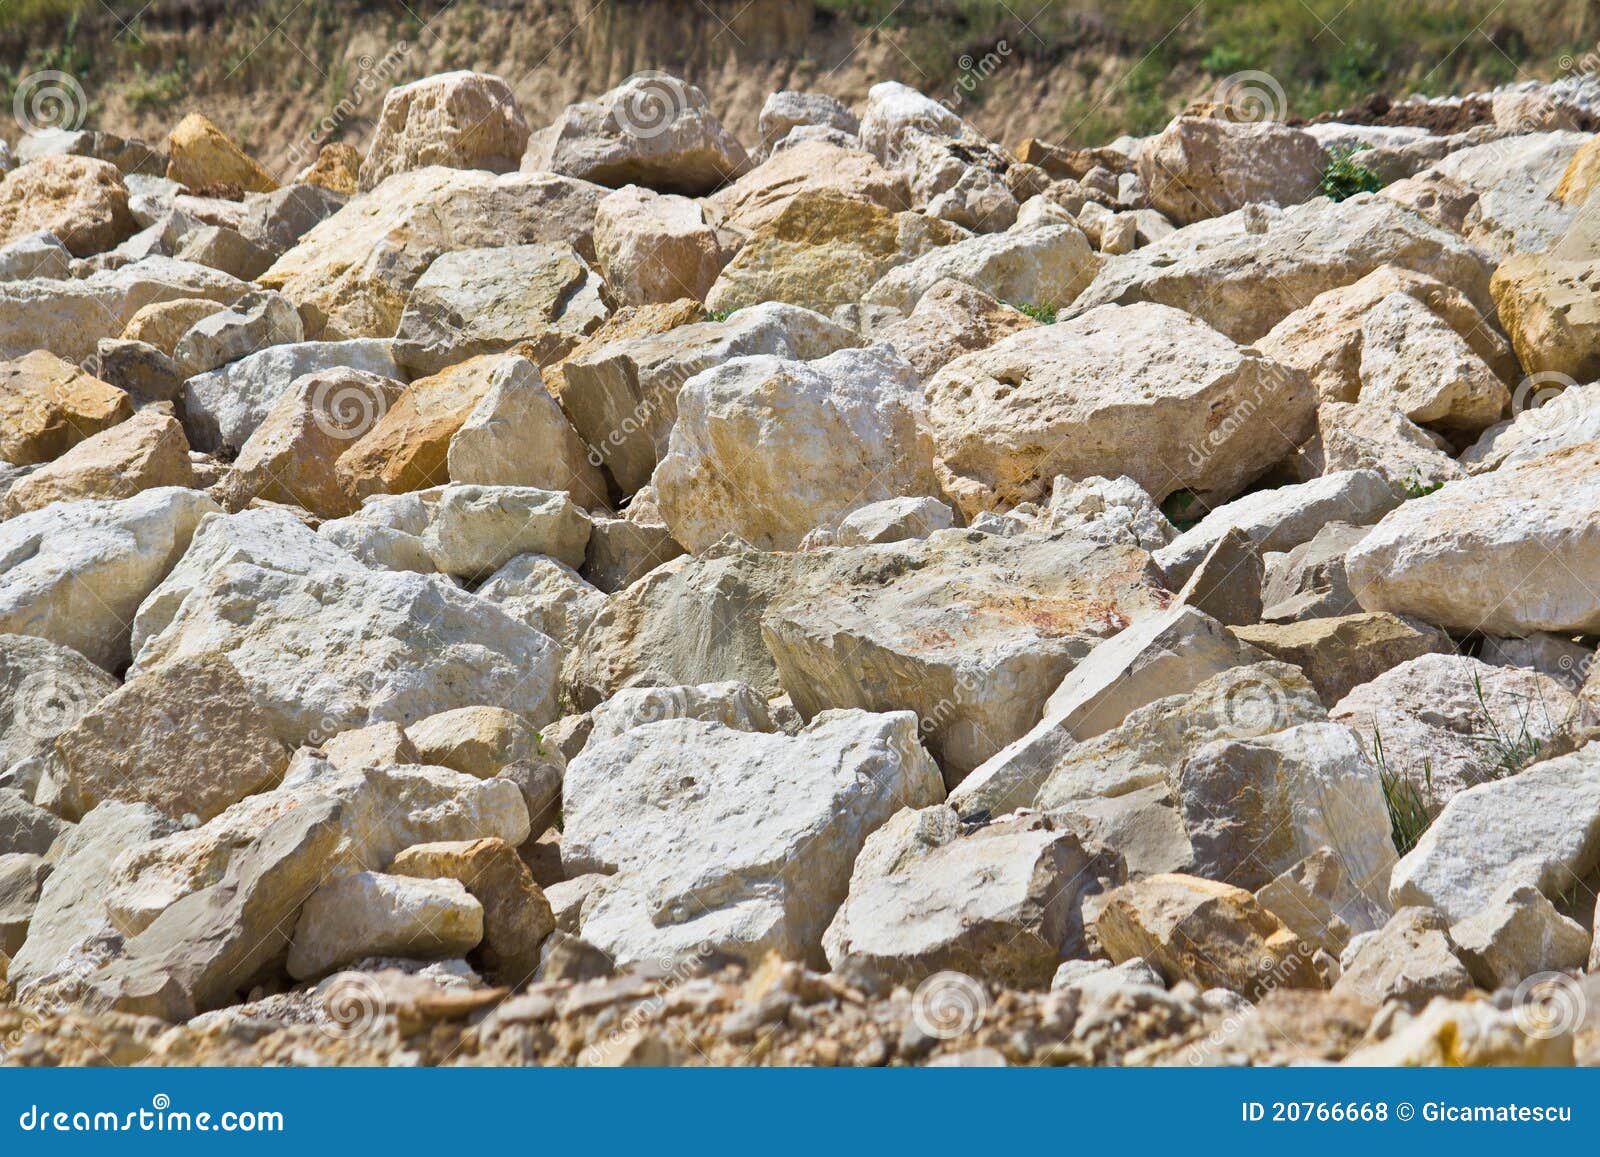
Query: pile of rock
pixel 602 595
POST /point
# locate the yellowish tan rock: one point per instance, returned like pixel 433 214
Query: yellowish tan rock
pixel 79 199
pixel 201 156
pixel 161 324
pixel 146 451
pixel 48 405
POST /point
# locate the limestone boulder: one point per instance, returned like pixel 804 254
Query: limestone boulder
pixel 1413 361
pixel 952 319
pixel 76 572
pixel 1540 827
pixel 623 396
pixel 769 448
pixel 1518 934
pixel 1376 437
pixel 694 619
pixel 654 249
pixel 164 323
pixel 1247 271
pixel 462 120
pixel 1255 807
pixel 477 740
pixel 1143 391
pixel 48 405
pixel 1502 553
pixel 1283 518
pixel 731 704
pixel 972 632
pixel 1411 959
pixel 1201 167
pixel 517 435
pixel 377 914
pixel 1170 652
pixel 1342 652
pixel 516 915
pixel 224 407
pixel 200 953
pixel 68 318
pixel 408 447
pixel 539 298
pixel 473 530
pixel 1449 722
pixel 999 903
pixel 45 689
pixel 79 200
pixel 291 456
pixel 759 196
pixel 652 130
pixel 1047 266
pixel 1204 931
pixel 188 741
pixel 737 839
pixel 1547 414
pixel 787 110
pixel 350 276
pixel 201 156
pixel 145 452
pixel 825 250
pixel 333 649
pixel 252 323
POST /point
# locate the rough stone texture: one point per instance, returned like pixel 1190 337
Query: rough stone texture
pixel 1339 654
pixel 786 817
pixel 1448 722
pixel 71 932
pixel 950 319
pixel 1278 520
pixel 1549 415
pixel 1379 438
pixel 1158 655
pixel 224 407
pixel 623 396
pixel 547 595
pixel 76 572
pixel 517 435
pixel 477 740
pixel 973 632
pixel 198 954
pixel 653 130
pixel 768 448
pixel 1318 902
pixel 44 689
pixel 1045 266
pixel 21 879
pixel 825 250
pixel 1255 807
pixel 1308 581
pixel 375 914
pixel 732 704
pixel 291 456
pixel 787 110
pixel 892 520
pixel 1226 584
pixel 1412 360
pixel 1201 167
pixel 79 200
pixel 516 915
pixel 759 196
pixel 384 810
pixel 462 120
pixel 164 323
pixel 201 156
pixel 24 828
pixel 655 249
pixel 1503 553
pixel 187 740
pixel 48 405
pixel 1142 391
pixel 1207 932
pixel 1540 827
pixel 408 447
pixel 473 530
pixel 378 745
pixel 998 903
pixel 1410 959
pixel 146 451
pixel 1516 934
pixel 351 274
pixel 1546 304
pixel 252 323
pixel 68 318
pixel 330 650
pixel 1244 273
pixel 539 298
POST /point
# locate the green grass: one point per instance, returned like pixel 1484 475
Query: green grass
pixel 1044 314
pixel 1513 748
pixel 1410 807
pixel 1345 177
